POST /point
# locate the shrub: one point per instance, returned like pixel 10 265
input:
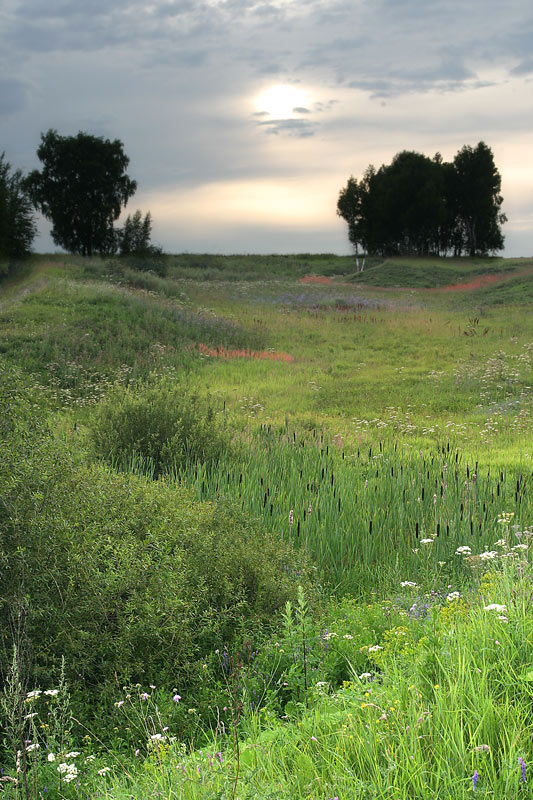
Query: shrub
pixel 160 425
pixel 122 576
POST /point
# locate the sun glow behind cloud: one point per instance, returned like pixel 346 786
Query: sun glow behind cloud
pixel 282 102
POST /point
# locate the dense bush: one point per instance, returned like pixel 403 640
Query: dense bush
pixel 161 425
pixel 121 575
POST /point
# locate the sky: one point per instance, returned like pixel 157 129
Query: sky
pixel 243 119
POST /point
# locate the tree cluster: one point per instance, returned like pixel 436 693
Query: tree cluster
pixel 17 223
pixel 419 206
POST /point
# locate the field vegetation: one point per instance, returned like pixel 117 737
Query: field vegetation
pixel 265 528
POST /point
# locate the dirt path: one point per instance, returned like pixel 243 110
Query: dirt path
pixel 476 283
pixel 482 280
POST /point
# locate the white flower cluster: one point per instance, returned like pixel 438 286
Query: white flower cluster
pixel 453 596
pixel 408 584
pixel 68 771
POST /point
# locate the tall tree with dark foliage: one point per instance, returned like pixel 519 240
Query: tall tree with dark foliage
pixel 17 223
pixel 82 188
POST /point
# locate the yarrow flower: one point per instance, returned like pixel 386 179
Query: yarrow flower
pixel 488 555
pixel 374 648
pixel 104 770
pixel 68 771
pixel 426 541
pixel 464 550
pixel 410 584
pixel 452 596
pixel 33 695
pixel 52 692
pixel 496 607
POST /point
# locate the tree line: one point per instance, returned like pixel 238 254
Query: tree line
pixel 419 206
pixel 81 188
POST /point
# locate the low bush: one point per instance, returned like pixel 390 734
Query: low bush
pixel 124 577
pixel 160 425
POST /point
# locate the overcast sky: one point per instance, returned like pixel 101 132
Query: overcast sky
pixel 243 119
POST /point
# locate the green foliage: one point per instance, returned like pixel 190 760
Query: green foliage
pixel 134 243
pixel 17 223
pixel 81 189
pixel 119 574
pixel 163 424
pixel 418 205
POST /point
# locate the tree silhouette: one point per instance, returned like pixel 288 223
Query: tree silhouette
pixel 81 189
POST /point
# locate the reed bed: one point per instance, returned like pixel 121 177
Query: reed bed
pixel 369 516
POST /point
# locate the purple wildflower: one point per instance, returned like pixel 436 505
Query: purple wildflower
pixel 475 778
pixel 522 770
pixel 176 698
pixel 218 757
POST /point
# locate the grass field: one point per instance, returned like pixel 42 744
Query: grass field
pixel 372 432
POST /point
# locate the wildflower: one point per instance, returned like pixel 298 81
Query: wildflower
pixel 90 758
pixel 347 636
pixel 51 757
pixel 482 747
pixel 464 550
pixel 314 739
pixel 496 607
pixel 74 754
pixel 104 770
pixel 119 704
pixel 291 517
pixel 33 695
pixel 374 648
pixel 410 584
pixel 52 692
pixel 31 747
pixel 145 696
pixel 519 547
pixel 31 716
pixel 152 686
pixel 500 543
pixel 157 737
pixel 426 541
pixel 452 596
pixel 475 778
pixel 176 698
pixel 522 770
pixel 218 757
pixel 68 771
pixel 488 555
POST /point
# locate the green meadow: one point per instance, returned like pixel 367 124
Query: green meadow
pixel 265 526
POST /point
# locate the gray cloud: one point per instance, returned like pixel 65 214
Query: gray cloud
pixel 13 95
pixel 300 128
pixel 176 80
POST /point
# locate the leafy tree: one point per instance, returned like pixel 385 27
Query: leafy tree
pixel 350 206
pixel 417 205
pixel 134 238
pixel 81 189
pixel 17 223
pixel 478 199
